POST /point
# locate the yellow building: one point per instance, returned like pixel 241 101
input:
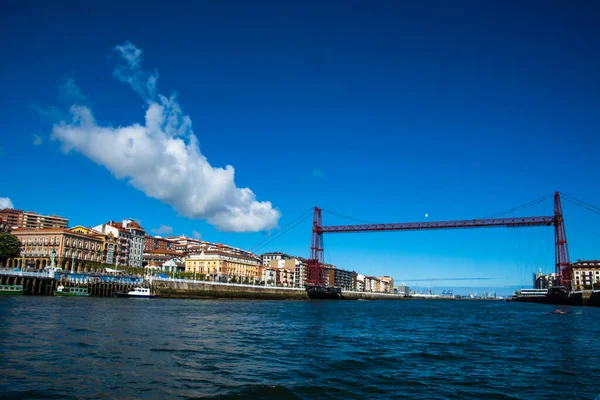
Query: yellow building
pixel 72 249
pixel 214 263
pixel 109 246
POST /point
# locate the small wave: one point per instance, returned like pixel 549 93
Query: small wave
pixel 187 351
pixel 348 365
pixel 426 355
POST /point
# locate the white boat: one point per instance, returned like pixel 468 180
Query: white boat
pixel 136 292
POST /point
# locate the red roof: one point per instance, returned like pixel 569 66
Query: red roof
pixel 134 225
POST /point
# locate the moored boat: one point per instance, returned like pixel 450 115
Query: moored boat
pixel 136 292
pixel 12 289
pixel 324 293
pixel 71 291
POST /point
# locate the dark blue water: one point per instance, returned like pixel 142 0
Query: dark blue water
pixel 424 349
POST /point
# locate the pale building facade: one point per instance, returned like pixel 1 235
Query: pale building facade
pixel 129 249
pixel 31 220
pixel 586 274
pixel 214 263
pixel 110 242
pixel 360 283
pixel 386 284
pixel 74 250
pixel 136 243
pixel 286 271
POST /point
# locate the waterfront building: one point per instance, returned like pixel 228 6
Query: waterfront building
pixel 130 241
pixel 268 275
pixel 360 283
pixel 301 271
pixel 339 277
pixel 160 256
pixel 386 284
pixel 220 260
pixel 383 284
pixel 11 217
pixel 285 271
pixel 110 242
pixel 184 244
pixel 171 265
pixel 544 281
pixel 295 271
pixel 403 289
pixel 122 237
pixel 74 250
pixel 157 242
pixel 276 255
pixel 372 284
pixel 136 248
pixel 586 274
pixel 31 220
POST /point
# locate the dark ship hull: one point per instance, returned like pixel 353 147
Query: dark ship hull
pixel 324 293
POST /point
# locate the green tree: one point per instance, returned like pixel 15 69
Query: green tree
pixel 9 246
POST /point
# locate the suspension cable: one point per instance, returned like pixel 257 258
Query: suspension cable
pixel 347 217
pixel 582 206
pixel 567 197
pixel 281 233
pixel 258 245
pixel 531 203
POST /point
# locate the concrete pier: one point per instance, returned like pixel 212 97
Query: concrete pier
pixel 181 288
pixel 45 286
pixel 40 284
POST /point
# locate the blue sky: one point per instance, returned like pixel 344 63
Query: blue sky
pixel 383 112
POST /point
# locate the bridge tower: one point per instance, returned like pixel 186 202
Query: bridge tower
pixel 564 271
pixel 316 270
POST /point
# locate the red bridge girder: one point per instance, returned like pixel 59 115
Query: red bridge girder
pixel 416 226
pixel 316 271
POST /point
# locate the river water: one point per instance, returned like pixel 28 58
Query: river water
pixel 55 347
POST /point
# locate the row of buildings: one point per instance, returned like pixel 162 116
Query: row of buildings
pixel 117 244
pixel 586 275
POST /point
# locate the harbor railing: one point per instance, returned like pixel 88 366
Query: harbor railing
pixel 7 271
pixel 151 279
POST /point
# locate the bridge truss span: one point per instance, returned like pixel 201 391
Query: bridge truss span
pixel 316 272
pixel 418 226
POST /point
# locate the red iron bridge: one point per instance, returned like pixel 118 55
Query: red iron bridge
pixel 316 270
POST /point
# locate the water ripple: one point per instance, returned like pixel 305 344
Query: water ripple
pixel 193 349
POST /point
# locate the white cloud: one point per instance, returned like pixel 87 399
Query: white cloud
pixel 161 156
pixel 5 203
pixel 69 92
pixel 197 235
pixel 129 71
pixel 163 230
pixel 37 140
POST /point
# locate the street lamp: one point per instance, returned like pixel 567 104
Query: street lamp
pixel 22 259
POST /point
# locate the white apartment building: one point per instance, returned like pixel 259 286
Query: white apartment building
pixel 360 283
pixel 586 274
pixel 130 242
